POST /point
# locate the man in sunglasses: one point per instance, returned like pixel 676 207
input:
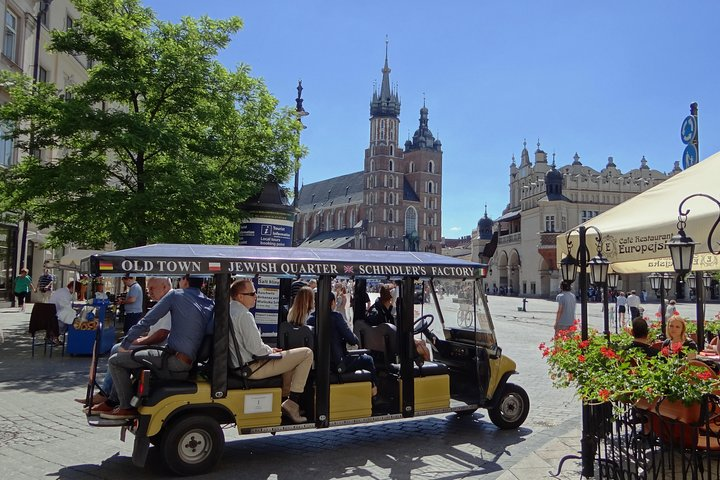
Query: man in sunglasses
pixel 246 344
pixel 192 313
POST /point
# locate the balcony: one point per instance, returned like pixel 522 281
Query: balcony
pixel 510 238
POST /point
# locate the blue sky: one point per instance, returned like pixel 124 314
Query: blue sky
pixel 611 78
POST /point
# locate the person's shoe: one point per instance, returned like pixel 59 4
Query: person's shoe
pixel 120 414
pixel 98 408
pixel 292 411
pixel 97 398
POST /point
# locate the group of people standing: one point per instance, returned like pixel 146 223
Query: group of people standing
pixel 24 287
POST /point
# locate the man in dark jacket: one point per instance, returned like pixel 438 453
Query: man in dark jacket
pixel 381 310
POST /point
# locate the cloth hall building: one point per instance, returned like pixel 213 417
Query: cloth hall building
pixel 545 201
pixel 393 203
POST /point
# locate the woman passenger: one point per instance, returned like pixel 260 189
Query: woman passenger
pixel 340 336
pixel 676 337
pixel 302 306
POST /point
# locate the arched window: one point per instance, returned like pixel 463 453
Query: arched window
pixel 411 167
pixel 431 167
pixel 391 216
pixel 391 164
pixel 430 187
pixel 371 217
pixel 410 220
pixel 391 199
pixel 372 165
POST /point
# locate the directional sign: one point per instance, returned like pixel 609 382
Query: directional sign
pixel 690 156
pixel 688 131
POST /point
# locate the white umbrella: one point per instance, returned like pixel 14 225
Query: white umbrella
pixel 635 232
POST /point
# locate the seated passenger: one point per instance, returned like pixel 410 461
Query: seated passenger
pixel 246 342
pixel 676 337
pixel 303 305
pixel 381 310
pixel 341 335
pixel 640 338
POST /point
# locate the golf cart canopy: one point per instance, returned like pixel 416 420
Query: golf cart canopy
pixel 178 259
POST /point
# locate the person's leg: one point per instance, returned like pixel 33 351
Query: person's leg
pixel 21 301
pixel 363 362
pixel 130 320
pixel 298 361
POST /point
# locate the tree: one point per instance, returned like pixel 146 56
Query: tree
pixel 160 144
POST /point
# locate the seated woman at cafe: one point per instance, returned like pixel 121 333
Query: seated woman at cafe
pixel 676 337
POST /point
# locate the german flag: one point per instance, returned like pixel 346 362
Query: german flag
pixel 106 266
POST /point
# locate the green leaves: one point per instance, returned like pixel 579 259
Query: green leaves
pixel 159 144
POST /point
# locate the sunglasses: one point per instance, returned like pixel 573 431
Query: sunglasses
pixel 251 294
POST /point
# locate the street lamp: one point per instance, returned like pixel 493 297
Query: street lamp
pixel 682 249
pixel 599 270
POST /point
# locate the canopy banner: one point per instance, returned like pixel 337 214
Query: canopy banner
pixel 174 260
pixel 635 232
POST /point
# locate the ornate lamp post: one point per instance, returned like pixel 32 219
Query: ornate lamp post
pixel 682 249
pixel 599 271
pixel 661 283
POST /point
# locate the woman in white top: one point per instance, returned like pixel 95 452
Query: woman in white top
pixel 621 303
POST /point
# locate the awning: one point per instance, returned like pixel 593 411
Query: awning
pixel 635 232
pixel 71 260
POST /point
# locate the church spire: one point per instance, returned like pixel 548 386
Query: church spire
pixel 386 103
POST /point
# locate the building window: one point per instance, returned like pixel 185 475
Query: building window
pixel 371 217
pixel 430 187
pixel 410 220
pixel 549 223
pixel 69 22
pixel 391 199
pixel 411 167
pixel 586 215
pixel 431 167
pixel 6 148
pixel 42 75
pixel 391 164
pixel 10 43
pixel 392 152
pixel 372 165
pixel 390 216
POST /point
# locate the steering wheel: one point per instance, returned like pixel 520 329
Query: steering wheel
pixel 422 324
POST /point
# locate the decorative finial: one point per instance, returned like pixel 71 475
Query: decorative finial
pixel 553 164
pixel 386 47
pixel 524 142
pixel 423 99
pixel 538 144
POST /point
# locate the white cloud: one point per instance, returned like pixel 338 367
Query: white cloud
pixel 455 229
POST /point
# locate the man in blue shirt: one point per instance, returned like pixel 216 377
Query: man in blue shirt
pixel 191 313
pixel 133 302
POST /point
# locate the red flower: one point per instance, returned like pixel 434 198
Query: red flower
pixel 572 328
pixel 584 344
pixel 604 394
pixel 665 351
pixel 542 346
pixel 581 358
pixel 705 375
pixel 608 352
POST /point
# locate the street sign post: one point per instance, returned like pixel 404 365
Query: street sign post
pixel 689 136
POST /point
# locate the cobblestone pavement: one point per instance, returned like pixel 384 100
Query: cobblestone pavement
pixel 43 433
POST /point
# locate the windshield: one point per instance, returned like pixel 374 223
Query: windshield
pixel 460 312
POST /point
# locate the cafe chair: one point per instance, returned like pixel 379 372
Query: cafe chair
pixel 44 318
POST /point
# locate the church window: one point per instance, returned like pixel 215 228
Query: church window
pixel 391 164
pixel 392 152
pixel 372 165
pixel 430 187
pixel 371 217
pixel 390 215
pixel 411 167
pixel 431 167
pixel 410 220
pixel 391 199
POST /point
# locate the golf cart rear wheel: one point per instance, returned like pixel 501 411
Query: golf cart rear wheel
pixel 512 408
pixel 193 445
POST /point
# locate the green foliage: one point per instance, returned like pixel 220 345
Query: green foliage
pixel 602 371
pixel 160 144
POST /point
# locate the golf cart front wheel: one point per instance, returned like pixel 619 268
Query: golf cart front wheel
pixel 512 408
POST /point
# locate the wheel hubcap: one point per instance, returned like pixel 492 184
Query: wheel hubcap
pixel 194 446
pixel 511 407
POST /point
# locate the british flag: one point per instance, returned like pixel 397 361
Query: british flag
pixel 348 269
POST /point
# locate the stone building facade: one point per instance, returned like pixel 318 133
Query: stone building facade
pixel 545 201
pixel 19 48
pixel 394 203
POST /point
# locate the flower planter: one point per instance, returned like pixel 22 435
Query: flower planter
pixel 676 410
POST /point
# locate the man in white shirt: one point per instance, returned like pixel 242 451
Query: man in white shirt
pixel 633 303
pixel 156 287
pixel 62 298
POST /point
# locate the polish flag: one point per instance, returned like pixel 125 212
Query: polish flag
pixel 214 266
